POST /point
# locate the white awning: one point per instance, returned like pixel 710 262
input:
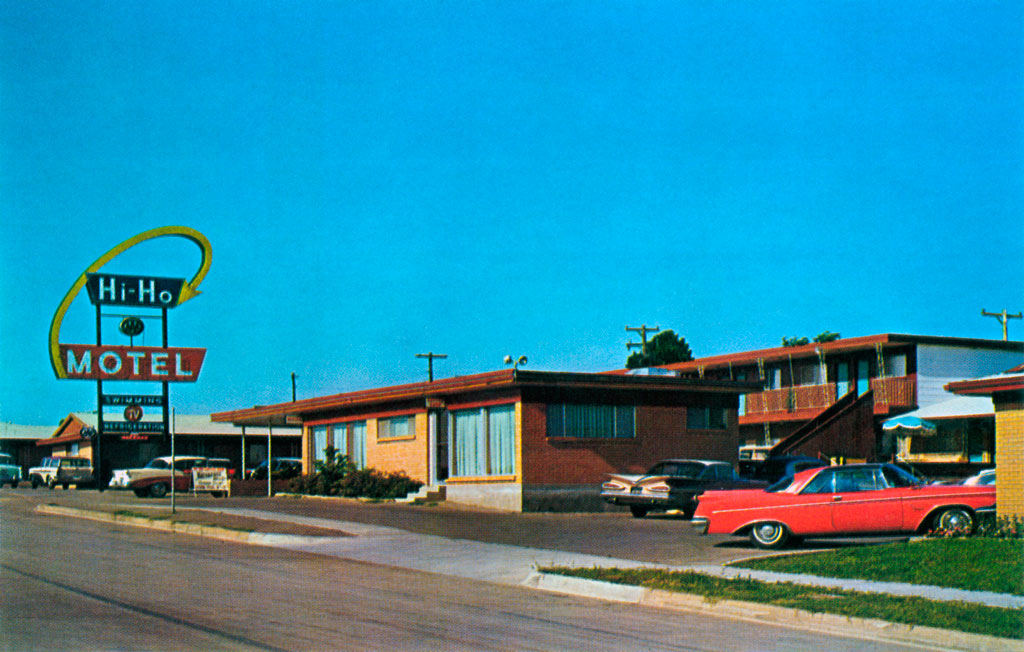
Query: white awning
pixel 958 407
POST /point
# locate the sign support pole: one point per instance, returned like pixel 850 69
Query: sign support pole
pixel 172 455
pixel 270 462
pixel 97 451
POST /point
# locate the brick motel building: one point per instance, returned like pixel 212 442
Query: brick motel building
pixel 514 439
pixel 1007 392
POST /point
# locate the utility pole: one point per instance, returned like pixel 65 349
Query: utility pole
pixel 643 330
pixel 1003 317
pixel 430 362
pixel 293 387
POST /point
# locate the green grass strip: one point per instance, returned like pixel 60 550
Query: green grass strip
pixel 957 616
pixel 974 564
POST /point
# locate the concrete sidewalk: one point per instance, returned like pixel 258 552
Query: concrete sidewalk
pixel 508 564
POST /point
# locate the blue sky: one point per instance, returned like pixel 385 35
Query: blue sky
pixel 381 179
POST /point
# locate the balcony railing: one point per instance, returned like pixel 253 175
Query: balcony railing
pixel 901 391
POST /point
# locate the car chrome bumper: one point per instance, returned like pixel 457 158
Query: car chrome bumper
pixel 700 524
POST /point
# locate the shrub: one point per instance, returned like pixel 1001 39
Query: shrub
pixel 338 476
pixel 995 528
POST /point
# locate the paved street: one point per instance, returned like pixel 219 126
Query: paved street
pixel 72 584
pixel 661 539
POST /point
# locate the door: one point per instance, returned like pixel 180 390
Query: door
pixel 842 379
pixel 863 382
pixel 863 502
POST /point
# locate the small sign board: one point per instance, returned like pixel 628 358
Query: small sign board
pixel 130 426
pixel 210 479
pixel 152 400
pixel 143 291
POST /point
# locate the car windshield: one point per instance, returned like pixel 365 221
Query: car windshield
pixel 158 464
pixel 677 469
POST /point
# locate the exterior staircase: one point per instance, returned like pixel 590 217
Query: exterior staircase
pixel 433 493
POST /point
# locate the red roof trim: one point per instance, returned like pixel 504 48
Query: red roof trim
pixel 865 343
pixel 987 386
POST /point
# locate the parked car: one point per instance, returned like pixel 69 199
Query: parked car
pixel 672 484
pixel 64 471
pixel 154 479
pixel 221 463
pixel 773 469
pixel 284 468
pixel 985 478
pixel 10 473
pixel 852 500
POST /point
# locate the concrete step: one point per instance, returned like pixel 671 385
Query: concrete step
pixel 427 494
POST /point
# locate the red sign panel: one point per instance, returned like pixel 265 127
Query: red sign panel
pixel 92 362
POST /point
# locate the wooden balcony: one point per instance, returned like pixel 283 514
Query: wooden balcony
pixel 803 402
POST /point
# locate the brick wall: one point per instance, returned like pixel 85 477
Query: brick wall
pixel 408 454
pixel 1009 458
pixel 660 433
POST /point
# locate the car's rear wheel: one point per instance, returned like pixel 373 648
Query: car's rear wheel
pixel 141 493
pixel 954 518
pixel 638 511
pixel 35 482
pixel 14 484
pixel 769 535
pixel 159 490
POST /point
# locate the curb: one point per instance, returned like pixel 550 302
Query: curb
pixel 859 628
pixel 209 531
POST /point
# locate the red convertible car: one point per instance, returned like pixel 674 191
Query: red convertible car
pixel 840 501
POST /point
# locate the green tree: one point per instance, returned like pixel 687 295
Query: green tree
pixel 827 336
pixel 664 348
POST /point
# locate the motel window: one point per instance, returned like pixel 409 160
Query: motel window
pixel 896 365
pixel 483 441
pixel 350 439
pixel 319 436
pixel 591 421
pixel 705 418
pixel 396 427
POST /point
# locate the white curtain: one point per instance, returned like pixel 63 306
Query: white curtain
pixel 501 423
pixel 358 434
pixel 470 448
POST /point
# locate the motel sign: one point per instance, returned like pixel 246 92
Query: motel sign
pixel 95 362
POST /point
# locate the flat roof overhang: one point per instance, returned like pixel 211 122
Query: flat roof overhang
pixel 988 386
pixel 847 345
pixel 295 412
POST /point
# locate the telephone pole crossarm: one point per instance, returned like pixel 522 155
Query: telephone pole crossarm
pixel 1003 318
pixel 430 362
pixel 643 329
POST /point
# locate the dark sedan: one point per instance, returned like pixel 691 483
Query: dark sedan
pixel 672 484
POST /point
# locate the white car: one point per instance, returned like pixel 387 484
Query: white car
pixel 154 479
pixel 64 471
pixel 986 477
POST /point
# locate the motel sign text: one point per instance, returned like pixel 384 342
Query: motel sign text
pixel 97 362
pixel 142 291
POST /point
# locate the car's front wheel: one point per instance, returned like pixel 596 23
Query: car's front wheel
pixel 954 518
pixel 159 490
pixel 769 535
pixel 638 511
pixel 35 482
pixel 14 484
